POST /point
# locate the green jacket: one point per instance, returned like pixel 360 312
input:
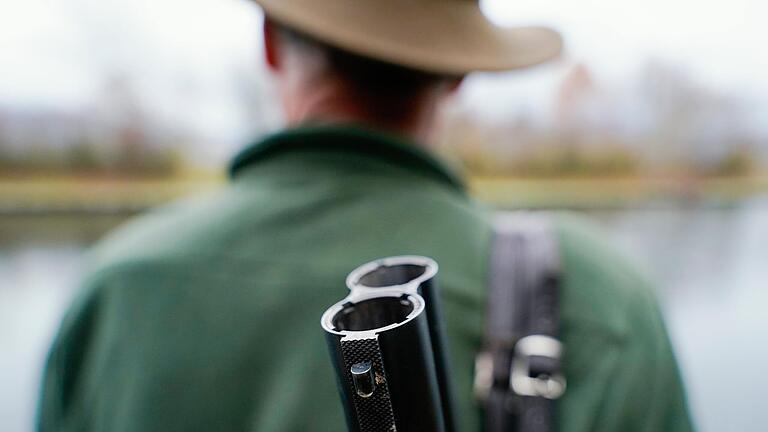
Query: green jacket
pixel 204 315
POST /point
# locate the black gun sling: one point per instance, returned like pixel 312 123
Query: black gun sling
pixel 518 374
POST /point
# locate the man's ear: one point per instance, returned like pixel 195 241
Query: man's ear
pixel 271 52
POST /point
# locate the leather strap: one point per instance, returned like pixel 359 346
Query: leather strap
pixel 518 373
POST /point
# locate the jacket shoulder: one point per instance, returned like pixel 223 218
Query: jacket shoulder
pixel 187 229
pixel 602 287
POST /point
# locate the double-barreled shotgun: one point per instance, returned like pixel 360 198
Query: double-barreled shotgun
pixel 388 347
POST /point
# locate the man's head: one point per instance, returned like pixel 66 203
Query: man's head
pixel 320 83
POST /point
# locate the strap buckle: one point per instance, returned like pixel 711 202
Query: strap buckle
pixel 549 384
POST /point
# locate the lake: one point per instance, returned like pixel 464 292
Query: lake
pixel 710 261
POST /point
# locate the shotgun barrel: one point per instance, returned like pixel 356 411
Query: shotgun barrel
pixel 388 347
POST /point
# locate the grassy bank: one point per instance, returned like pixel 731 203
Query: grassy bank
pixel 114 195
pixel 601 192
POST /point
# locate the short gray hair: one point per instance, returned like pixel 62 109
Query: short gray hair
pixel 364 72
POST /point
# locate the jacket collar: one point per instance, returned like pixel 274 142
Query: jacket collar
pixel 345 139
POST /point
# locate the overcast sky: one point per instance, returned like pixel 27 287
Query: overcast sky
pixel 186 53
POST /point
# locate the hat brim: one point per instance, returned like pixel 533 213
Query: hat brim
pixel 450 37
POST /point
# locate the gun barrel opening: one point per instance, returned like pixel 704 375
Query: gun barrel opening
pixel 373 314
pixel 392 275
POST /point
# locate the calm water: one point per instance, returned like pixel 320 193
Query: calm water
pixel 711 264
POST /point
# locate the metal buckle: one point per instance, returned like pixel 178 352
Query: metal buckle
pixel 544 385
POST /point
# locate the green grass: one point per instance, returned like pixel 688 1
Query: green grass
pixel 589 192
pixel 90 194
pixel 22 195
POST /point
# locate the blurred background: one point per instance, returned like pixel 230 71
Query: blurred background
pixel 654 123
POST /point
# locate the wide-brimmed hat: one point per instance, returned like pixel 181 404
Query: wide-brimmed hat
pixel 439 36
